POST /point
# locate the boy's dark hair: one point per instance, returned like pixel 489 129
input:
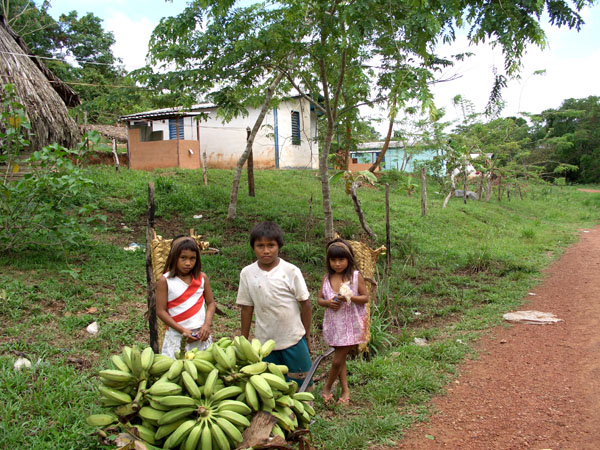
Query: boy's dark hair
pixel 178 244
pixel 267 230
pixel 339 248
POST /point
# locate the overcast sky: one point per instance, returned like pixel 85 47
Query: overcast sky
pixel 571 60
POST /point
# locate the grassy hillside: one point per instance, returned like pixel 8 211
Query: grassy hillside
pixel 453 274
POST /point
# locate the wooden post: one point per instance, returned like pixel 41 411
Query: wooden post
pixel 114 151
pixel 388 241
pixel 204 173
pixel 500 188
pixel 198 139
pixel 465 187
pixel 87 141
pixel 177 141
pixel 250 167
pixel 423 192
pixel 150 273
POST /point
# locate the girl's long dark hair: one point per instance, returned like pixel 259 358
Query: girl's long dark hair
pixel 179 244
pixel 339 248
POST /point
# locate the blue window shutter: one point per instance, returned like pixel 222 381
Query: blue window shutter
pixel 173 128
pixel 295 128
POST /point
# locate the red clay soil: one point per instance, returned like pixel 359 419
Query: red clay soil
pixel 533 386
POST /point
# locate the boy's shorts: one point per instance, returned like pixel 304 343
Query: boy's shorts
pixel 296 358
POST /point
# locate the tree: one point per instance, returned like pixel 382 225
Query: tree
pixel 341 55
pixel 569 136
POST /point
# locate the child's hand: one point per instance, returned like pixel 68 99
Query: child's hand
pixel 189 335
pixel 334 303
pixel 203 333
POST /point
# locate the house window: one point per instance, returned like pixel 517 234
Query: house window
pixel 295 128
pixel 173 125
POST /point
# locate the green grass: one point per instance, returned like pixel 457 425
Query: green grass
pixel 453 274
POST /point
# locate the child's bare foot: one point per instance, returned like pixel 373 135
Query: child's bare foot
pixel 344 398
pixel 327 396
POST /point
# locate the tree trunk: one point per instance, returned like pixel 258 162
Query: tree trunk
pixel 386 144
pixel 232 210
pixel 324 174
pixel 250 167
pixel 500 188
pixel 359 211
pixel 151 283
pixel 447 199
pixel 388 239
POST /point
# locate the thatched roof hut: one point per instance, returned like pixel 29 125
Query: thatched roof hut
pixel 43 95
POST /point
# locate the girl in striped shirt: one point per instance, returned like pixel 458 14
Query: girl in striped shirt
pixel 184 299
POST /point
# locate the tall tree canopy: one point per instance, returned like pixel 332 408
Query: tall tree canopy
pixel 570 135
pixel 342 54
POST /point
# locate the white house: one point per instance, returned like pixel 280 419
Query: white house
pixel 174 137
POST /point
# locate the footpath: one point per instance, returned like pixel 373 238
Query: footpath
pixel 533 386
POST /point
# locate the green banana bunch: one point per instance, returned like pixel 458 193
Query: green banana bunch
pixel 204 400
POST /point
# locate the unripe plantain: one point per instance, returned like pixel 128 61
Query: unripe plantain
pixel 266 348
pixel 144 433
pixel 175 369
pixel 255 368
pixel 235 406
pixel 179 434
pixel 234 418
pixel 119 363
pixel 114 394
pixel 230 429
pixel 190 368
pixel 175 414
pixel 228 392
pixel 147 358
pixel 262 386
pixel 164 388
pixel 190 385
pixel 100 420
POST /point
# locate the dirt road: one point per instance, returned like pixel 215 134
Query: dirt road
pixel 533 386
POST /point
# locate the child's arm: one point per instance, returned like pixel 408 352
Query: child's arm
pixel 246 316
pixel 163 314
pixel 204 332
pixel 363 296
pixel 306 317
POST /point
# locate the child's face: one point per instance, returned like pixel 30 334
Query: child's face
pixel 338 264
pixel 186 261
pixel 267 252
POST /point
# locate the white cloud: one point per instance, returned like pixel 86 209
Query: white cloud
pixel 131 36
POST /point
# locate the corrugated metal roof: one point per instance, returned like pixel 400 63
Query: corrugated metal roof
pixel 170 112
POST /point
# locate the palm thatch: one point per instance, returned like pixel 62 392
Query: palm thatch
pixel 43 95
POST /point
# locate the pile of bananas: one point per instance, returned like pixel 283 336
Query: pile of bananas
pixel 201 400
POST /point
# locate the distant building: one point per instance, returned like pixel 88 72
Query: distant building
pixel 175 137
pixel 396 157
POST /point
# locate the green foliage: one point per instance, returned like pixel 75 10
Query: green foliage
pixel 13 129
pixel 52 206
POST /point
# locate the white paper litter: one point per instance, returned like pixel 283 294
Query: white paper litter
pixel 197 216
pixel 92 328
pixel 421 342
pixel 22 363
pixel 532 317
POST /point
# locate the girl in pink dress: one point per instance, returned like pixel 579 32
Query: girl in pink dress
pixel 344 294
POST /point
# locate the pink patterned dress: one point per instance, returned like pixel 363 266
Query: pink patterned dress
pixel 346 326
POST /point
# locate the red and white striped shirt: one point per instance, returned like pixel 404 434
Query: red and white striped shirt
pixel 185 302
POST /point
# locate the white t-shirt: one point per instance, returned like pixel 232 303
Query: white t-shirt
pixel 274 295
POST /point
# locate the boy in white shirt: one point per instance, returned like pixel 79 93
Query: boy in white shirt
pixel 270 289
